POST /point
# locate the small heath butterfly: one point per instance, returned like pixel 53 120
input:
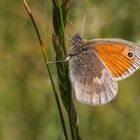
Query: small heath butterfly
pixel 96 65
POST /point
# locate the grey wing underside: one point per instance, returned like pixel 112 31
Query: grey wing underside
pixel 92 81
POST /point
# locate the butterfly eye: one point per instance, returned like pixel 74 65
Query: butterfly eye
pixel 84 48
pixel 130 54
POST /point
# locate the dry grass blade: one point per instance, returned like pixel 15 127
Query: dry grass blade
pixel 46 61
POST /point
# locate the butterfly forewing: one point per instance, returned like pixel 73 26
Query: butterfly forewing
pixel 120 56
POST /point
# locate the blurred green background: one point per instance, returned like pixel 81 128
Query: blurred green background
pixel 27 106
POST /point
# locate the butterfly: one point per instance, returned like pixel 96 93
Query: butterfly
pixel 96 65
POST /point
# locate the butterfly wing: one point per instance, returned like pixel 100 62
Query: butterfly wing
pixel 92 81
pixel 120 56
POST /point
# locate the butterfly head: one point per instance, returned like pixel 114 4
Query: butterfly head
pixel 76 39
pixel 78 46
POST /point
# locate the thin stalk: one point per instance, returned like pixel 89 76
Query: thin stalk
pixel 46 62
pixel 65 53
pixel 60 10
pixel 63 29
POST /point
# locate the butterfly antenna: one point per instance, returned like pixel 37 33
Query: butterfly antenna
pixel 75 30
pixel 71 40
pixel 68 38
pixel 83 25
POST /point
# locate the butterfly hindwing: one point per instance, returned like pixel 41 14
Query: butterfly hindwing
pixel 91 79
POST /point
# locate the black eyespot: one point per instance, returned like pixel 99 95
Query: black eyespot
pixel 130 54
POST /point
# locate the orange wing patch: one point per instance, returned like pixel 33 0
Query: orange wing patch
pixel 115 56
